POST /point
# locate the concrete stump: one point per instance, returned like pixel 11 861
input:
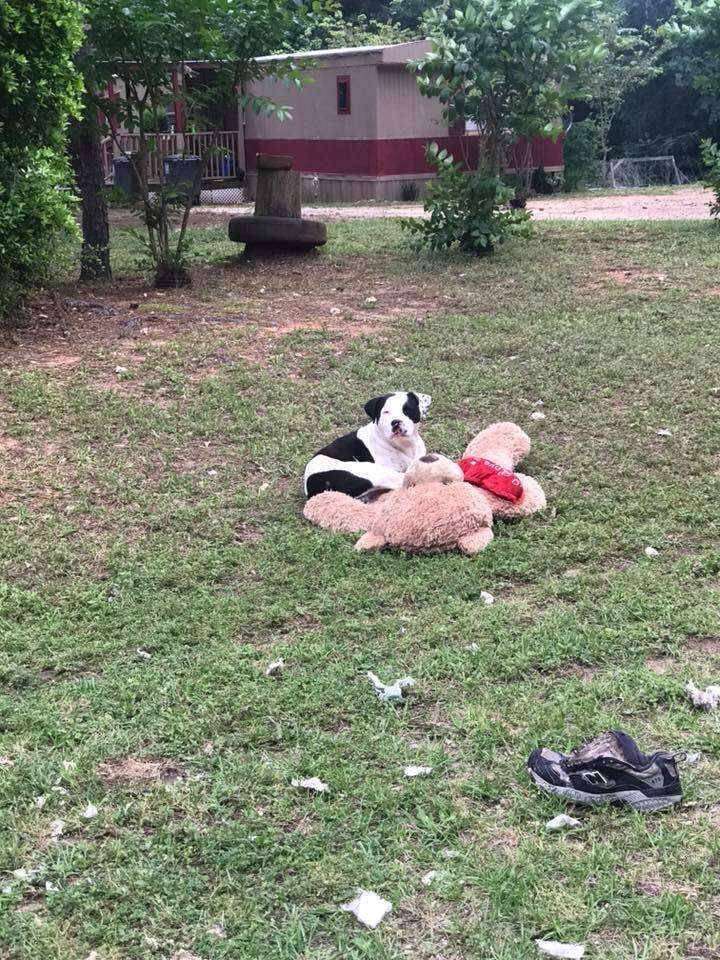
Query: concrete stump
pixel 277 226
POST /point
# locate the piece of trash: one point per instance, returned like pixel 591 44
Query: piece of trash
pixel 39 802
pixel 275 668
pixel 311 783
pixel 121 369
pixel 143 654
pixel 392 691
pixel 61 790
pixel 335 310
pixel 537 415
pixel 473 647
pixel 368 908
pixel 263 487
pixel 538 403
pixel 90 811
pixel 651 552
pixel 23 874
pixel 212 473
pixel 562 822
pixel 56 829
pixel 664 432
pixel 50 887
pixel 218 930
pixel 6 762
pixel 417 771
pixel 486 597
pixel 208 748
pixel 427 878
pixel 370 300
pixel 691 758
pixel 706 699
pixel 570 951
pixel 449 854
pixel 69 764
pixel 399 359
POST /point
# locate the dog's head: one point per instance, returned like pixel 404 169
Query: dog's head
pixel 397 415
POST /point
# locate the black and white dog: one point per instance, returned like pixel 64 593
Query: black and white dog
pixel 377 454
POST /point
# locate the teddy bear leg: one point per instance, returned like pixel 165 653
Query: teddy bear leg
pixel 370 541
pixel 475 542
pixel 337 511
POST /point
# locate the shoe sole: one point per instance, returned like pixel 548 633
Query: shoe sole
pixel 633 798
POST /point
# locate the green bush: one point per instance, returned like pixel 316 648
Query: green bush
pixel 710 153
pixel 581 150
pixel 468 210
pixel 39 87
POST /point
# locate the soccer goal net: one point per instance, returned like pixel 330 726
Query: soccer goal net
pixel 643 172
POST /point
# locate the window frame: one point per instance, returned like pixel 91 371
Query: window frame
pixel 343 80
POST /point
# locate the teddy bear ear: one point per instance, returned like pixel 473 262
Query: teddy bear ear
pixel 424 401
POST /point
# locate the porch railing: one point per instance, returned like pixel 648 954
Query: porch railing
pixel 219 151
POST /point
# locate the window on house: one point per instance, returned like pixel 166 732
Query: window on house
pixel 343 94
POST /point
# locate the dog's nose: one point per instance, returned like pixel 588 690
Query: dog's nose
pixel 395 424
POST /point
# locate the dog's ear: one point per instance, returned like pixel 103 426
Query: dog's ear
pixel 424 401
pixel 373 407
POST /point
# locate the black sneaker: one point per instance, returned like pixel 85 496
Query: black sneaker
pixel 609 769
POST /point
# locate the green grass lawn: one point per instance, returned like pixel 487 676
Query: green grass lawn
pixel 159 509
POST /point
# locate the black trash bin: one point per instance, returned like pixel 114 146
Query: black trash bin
pixel 125 177
pixel 183 175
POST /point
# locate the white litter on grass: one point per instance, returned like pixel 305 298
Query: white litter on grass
pixel 39 802
pixel 143 654
pixel 50 887
pixel 311 783
pixel 370 300
pixel 417 771
pixel 562 822
pixel 651 552
pixel 368 907
pixel 486 597
pixel 61 790
pixel 473 647
pixel 537 415
pixel 22 873
pixel 121 369
pixel 90 811
pixel 570 951
pixel 392 691
pixel 692 758
pixel 335 311
pixel 263 487
pixel 56 829
pixel 68 764
pixel 427 878
pixel 706 699
pixel 6 762
pixel 664 432
pixel 275 668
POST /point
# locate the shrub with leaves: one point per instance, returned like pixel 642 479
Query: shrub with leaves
pixel 39 87
pixel 581 149
pixel 468 209
pixel 710 153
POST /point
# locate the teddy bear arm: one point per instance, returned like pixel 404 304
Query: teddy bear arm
pixel 475 542
pixel 370 541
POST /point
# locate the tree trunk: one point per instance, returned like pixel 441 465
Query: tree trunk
pixel 86 159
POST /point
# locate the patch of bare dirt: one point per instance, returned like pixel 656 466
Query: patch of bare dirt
pixel 707 645
pixel 9 445
pixel 661 665
pixel 139 771
pixel 690 203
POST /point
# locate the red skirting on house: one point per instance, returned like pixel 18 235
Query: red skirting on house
pixel 384 158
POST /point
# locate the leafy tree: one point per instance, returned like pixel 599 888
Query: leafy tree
pixel 695 37
pixel 141 42
pixel 511 66
pixel 39 87
pixel 331 29
pixel 631 60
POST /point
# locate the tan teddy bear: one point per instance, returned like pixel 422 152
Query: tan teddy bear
pixel 436 509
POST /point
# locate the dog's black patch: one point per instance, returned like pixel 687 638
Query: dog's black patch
pixel 411 407
pixel 373 408
pixel 341 480
pixel 347 449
